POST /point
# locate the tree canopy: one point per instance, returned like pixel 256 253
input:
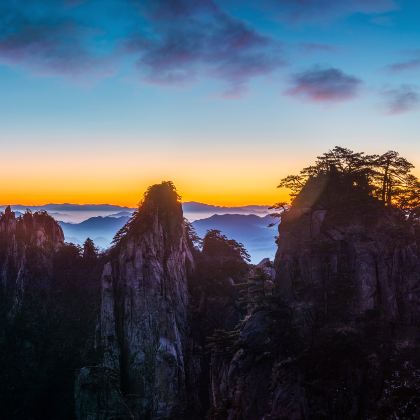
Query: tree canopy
pixel 386 177
pixel 90 251
pixel 217 244
pixel 162 197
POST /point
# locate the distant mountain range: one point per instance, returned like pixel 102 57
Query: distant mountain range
pixel 76 213
pixel 101 229
pixel 69 207
pixel 100 222
pixel 251 230
pixel 188 206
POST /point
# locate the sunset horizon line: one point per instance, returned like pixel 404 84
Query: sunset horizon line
pixel 44 204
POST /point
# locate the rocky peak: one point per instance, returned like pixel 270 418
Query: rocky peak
pixel 351 249
pixel 27 246
pixel 143 326
pixel 32 229
pixel 335 338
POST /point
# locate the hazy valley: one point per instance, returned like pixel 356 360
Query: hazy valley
pixel 247 224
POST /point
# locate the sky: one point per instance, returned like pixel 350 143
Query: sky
pixel 101 98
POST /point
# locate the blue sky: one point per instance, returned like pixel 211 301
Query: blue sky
pixel 100 98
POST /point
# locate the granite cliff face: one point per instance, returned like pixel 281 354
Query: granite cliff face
pixel 27 247
pixel 47 305
pixel 337 337
pixel 343 259
pixel 143 322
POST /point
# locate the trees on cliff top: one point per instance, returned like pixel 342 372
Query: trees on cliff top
pixel 218 245
pixel 159 198
pixel 386 177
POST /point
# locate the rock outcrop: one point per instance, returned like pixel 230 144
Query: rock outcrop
pixel 143 323
pixel 337 338
pixel 47 305
pixel 27 247
pixel 345 258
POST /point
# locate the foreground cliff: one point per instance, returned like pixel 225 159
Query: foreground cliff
pixel 27 247
pixel 344 254
pixel 143 322
pixel 47 310
pixel 338 337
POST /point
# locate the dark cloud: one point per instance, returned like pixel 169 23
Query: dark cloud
pixel 41 35
pixel 324 85
pixel 171 41
pixel 402 99
pixel 191 38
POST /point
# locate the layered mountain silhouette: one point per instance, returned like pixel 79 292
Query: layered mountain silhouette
pixel 251 230
pixel 100 222
pixel 101 229
pixel 76 213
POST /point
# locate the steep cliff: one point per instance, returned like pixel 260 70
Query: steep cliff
pixel 344 255
pixel 143 323
pixel 337 339
pixel 47 305
pixel 221 269
pixel 27 247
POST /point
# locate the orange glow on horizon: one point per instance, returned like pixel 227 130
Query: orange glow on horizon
pixel 122 180
pixel 234 179
pixel 131 198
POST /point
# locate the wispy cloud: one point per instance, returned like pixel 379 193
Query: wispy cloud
pixel 315 47
pixel 324 85
pixel 295 11
pixel 411 63
pixel 402 99
pixel 173 42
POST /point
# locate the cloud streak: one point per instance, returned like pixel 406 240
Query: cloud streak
pixel 324 85
pixel 314 47
pixel 403 99
pixel 315 11
pixel 412 63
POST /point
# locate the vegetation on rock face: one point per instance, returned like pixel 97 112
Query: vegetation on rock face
pixel 161 200
pixel 215 244
pixel 256 291
pixel 344 305
pixel 221 265
pixel 143 329
pixel 214 307
pixel 49 334
pixel 90 251
pixel 195 241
